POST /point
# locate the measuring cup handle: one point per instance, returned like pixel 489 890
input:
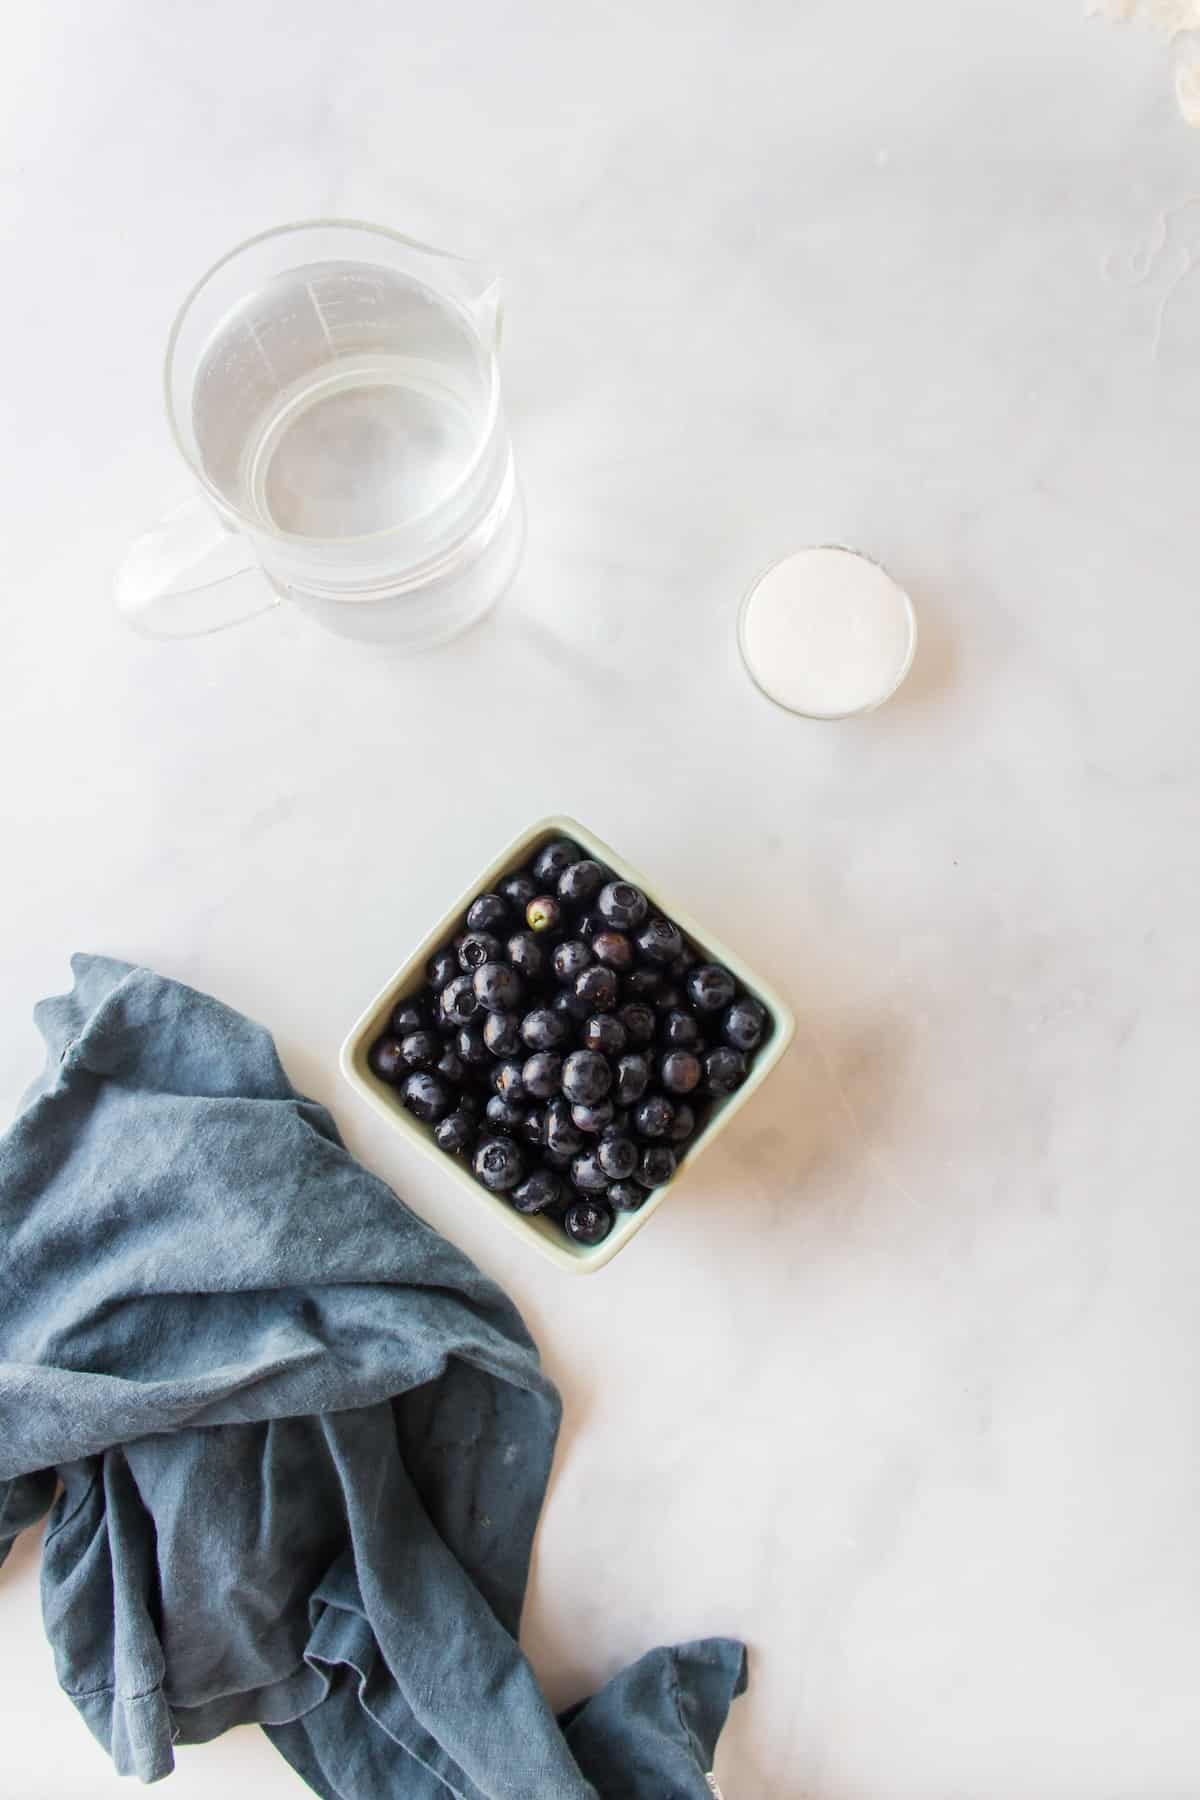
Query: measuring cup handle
pixel 190 574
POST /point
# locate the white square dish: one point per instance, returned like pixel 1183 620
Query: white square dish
pixel 544 1234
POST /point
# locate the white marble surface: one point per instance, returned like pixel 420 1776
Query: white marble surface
pixel 902 1387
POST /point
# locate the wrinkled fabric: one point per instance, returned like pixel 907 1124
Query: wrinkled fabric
pixel 302 1442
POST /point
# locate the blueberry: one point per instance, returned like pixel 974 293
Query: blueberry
pixel 543 1028
pixel 614 949
pixel 617 1156
pixel 571 959
pixel 455 1132
pixel 567 1004
pixel 654 1117
pixel 542 1074
pixel 590 925
pixel 622 905
pixel 679 1030
pixel 502 1034
pixel 604 1032
pixel 386 1059
pixel 469 1043
pixel 659 941
pixel 683 1124
pixel 743 1024
pixel 458 1002
pixel 668 998
pixel 427 1097
pixel 552 859
pixel 532 1129
pixel 643 984
pixel 497 987
pixel 543 913
pixel 680 1071
pixel 421 1049
pixel 451 1067
pixel 525 954
pixel 509 1082
pixel 710 987
pixel 488 913
pixel 724 1070
pixel 498 1164
pixel 477 948
pixel 537 1192
pixel 442 969
pixel 503 1115
pixel 633 1076
pixel 657 1166
pixel 592 1119
pixel 626 1196
pixel 586 1173
pixel 411 1015
pixel 598 987
pixel 588 1221
pixel 638 1020
pixel 581 882
pixel 586 1077
pixel 518 890
pixel 563 1136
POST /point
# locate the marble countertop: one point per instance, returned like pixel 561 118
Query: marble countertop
pixel 902 1386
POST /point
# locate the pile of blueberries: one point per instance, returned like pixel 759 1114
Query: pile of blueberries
pixel 570 1043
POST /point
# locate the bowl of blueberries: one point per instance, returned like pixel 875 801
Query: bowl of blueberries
pixel 566 1044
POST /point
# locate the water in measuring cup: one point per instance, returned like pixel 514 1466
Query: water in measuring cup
pixel 339 400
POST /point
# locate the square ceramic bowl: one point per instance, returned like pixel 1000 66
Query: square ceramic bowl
pixel 545 1234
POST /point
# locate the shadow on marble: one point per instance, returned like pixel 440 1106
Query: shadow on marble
pixel 811 1140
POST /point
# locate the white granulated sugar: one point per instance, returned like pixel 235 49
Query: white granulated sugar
pixel 827 633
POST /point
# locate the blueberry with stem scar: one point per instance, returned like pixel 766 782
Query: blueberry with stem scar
pixel 588 1221
pixel 498 1164
pixel 543 913
pixel 458 1001
pixel 659 942
pixel 621 905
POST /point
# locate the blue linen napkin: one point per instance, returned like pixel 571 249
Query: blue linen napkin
pixel 302 1441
